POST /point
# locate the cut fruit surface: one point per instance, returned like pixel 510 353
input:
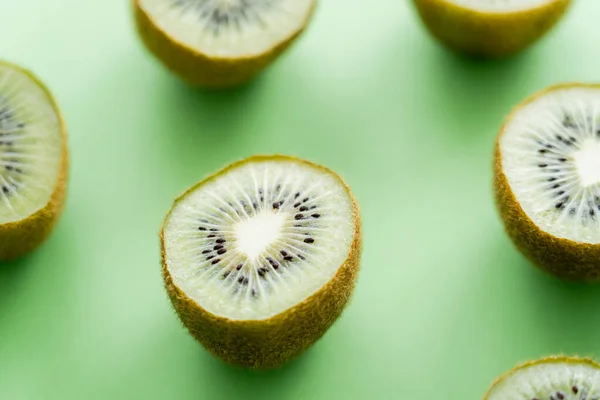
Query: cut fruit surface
pixel 33 161
pixel 551 158
pixel 31 145
pixel 229 28
pixel 547 182
pixel 490 28
pixel 260 239
pixel 261 258
pixel 220 43
pixel 500 5
pixel 555 378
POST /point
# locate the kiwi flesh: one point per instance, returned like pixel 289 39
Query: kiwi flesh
pixel 547 180
pixel 551 378
pixel 261 258
pixel 33 162
pixel 217 43
pixel 490 28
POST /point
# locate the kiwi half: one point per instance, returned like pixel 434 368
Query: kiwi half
pixel 547 179
pixel 552 378
pixel 33 162
pixel 261 258
pixel 217 43
pixel 490 28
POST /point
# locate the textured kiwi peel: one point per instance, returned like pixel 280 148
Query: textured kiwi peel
pixel 202 70
pixel 547 360
pixel 565 258
pixel 488 34
pixel 23 236
pixel 272 342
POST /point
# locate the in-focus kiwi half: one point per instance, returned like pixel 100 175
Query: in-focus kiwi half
pixel 261 258
pixel 220 43
pixel 552 378
pixel 33 161
pixel 547 179
pixel 490 28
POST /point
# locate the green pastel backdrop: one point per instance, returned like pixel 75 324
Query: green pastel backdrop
pixel 444 303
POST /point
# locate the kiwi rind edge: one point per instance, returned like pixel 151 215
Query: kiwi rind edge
pixel 546 360
pixel 199 69
pixel 488 34
pixel 272 342
pixel 565 258
pixel 23 236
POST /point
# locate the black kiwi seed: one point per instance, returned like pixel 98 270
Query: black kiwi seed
pixel 246 281
pixel 206 251
pixel 211 236
pixel 226 274
pixel 300 256
pixel 297 204
pixel 208 258
pixel 262 271
pixel 298 194
pixel 542 165
pixel 240 279
pixel 214 230
pixel 218 247
pixel 239 267
pixel 575 389
pixel 5 189
pixel 309 240
pixel 283 253
pixel 200 228
pixel 298 216
pixel 303 208
pixel 222 251
pixel 316 215
pixel 216 261
pixel 288 258
pixel 221 240
pixel 276 205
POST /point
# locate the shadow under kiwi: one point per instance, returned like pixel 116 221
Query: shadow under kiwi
pixel 237 382
pixel 568 312
pixel 196 131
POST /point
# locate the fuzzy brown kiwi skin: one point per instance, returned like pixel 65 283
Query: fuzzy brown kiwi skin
pixel 547 360
pixel 270 343
pixel 564 258
pixel 201 70
pixel 21 237
pixel 488 34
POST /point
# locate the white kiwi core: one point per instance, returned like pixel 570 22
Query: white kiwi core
pixel 259 238
pixel 31 145
pixel 229 28
pixel 550 154
pixel 550 381
pixel 501 6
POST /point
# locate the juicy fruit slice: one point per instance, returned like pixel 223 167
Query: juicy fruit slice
pixel 261 258
pixel 33 162
pixel 490 28
pixel 548 179
pixel 554 378
pixel 220 43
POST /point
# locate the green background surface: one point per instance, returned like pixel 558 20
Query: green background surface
pixel 444 303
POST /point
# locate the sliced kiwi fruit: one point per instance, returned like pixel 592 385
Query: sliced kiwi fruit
pixel 33 161
pixel 552 378
pixel 261 258
pixel 490 28
pixel 220 43
pixel 547 179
